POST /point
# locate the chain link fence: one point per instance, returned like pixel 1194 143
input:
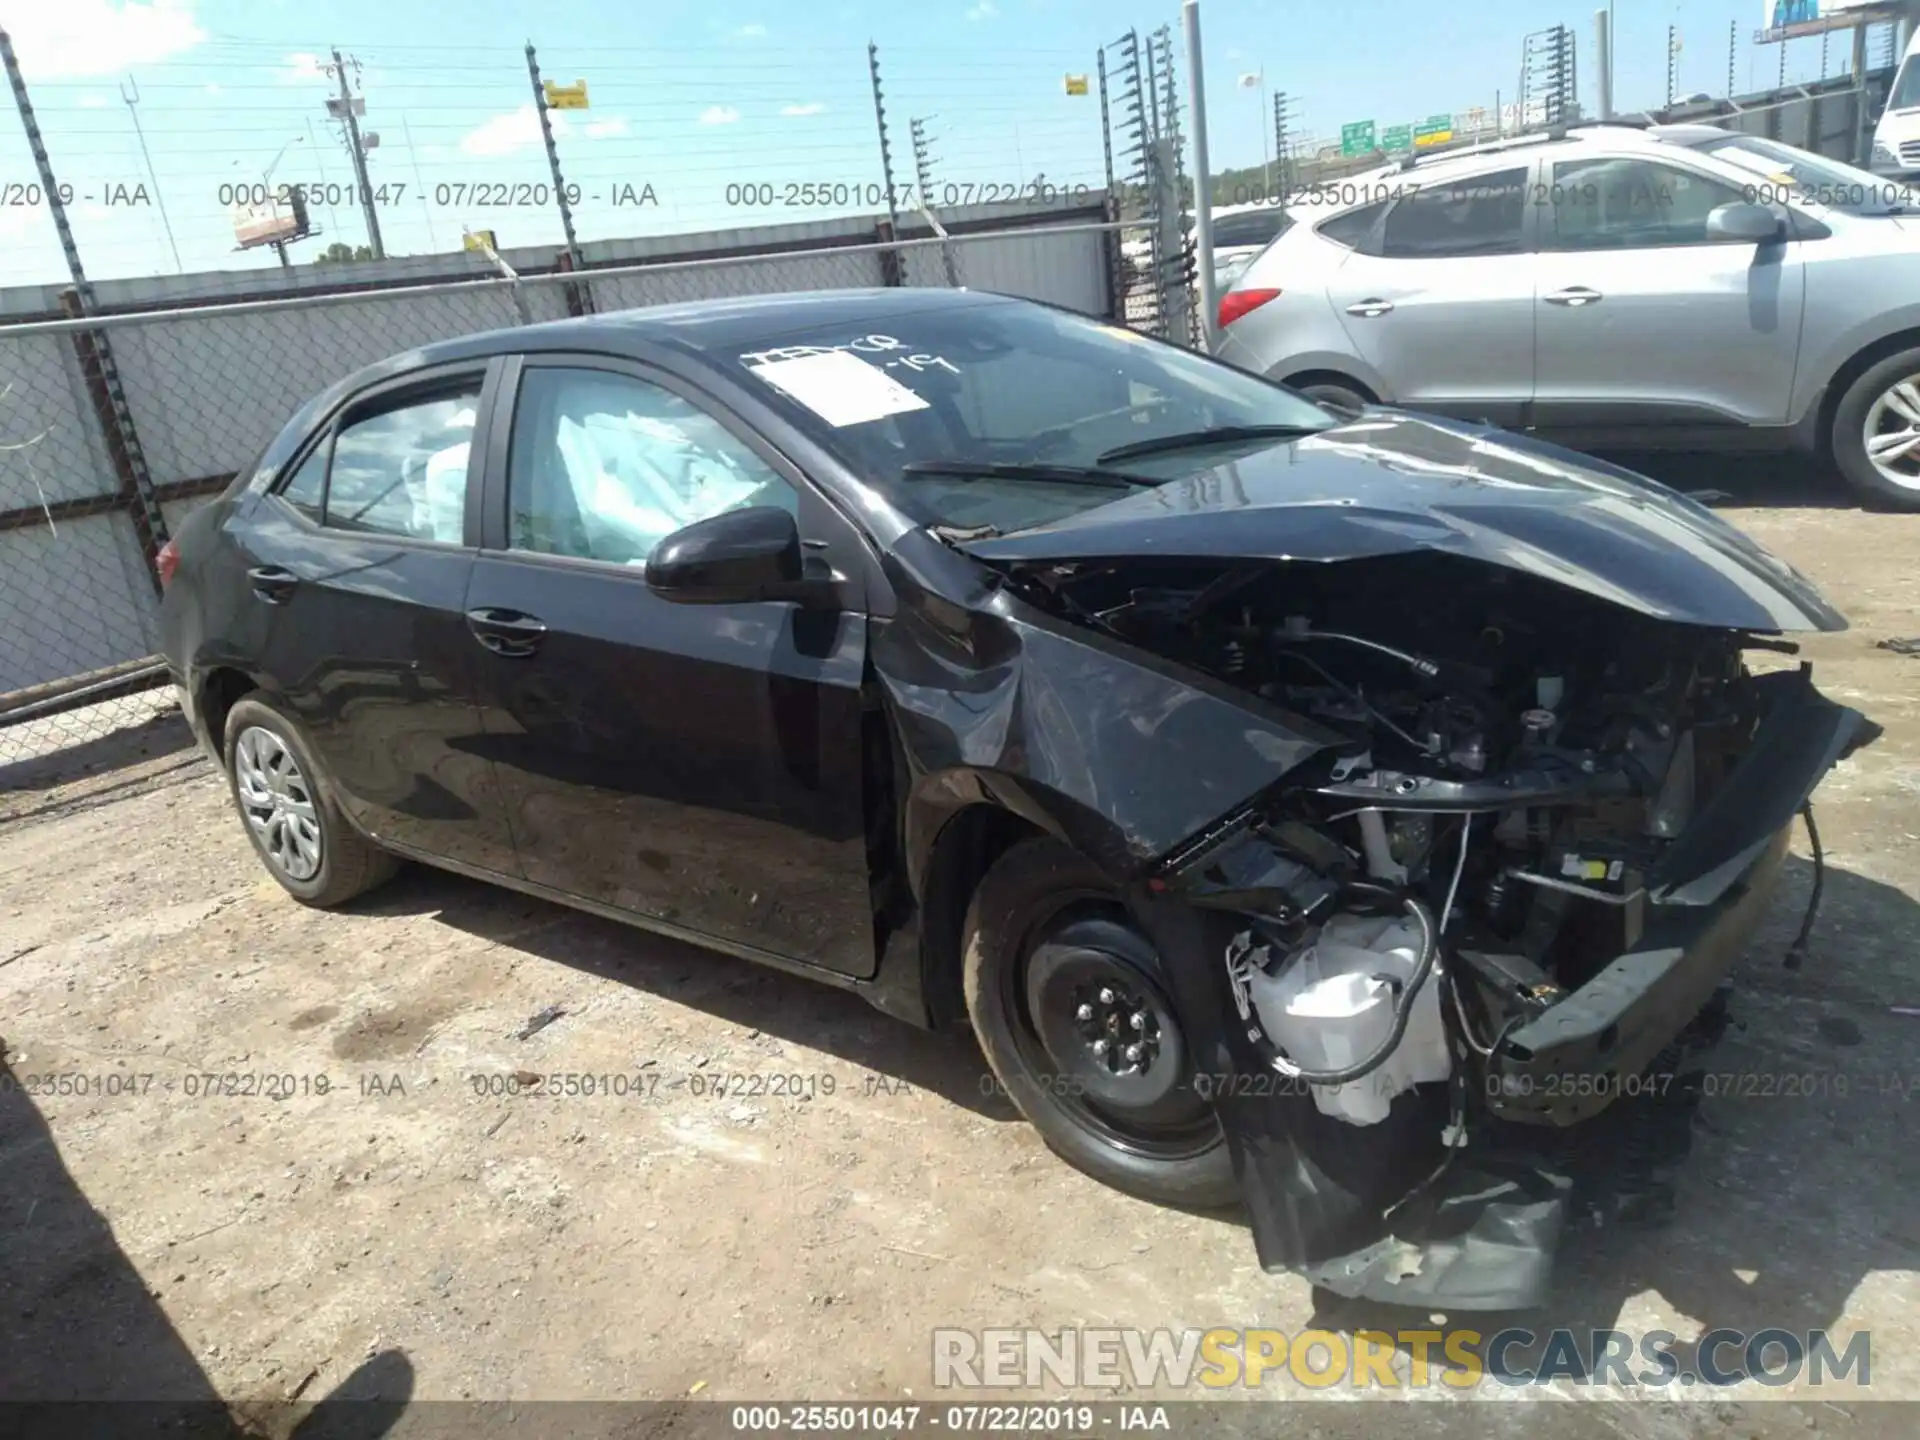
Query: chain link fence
pixel 206 387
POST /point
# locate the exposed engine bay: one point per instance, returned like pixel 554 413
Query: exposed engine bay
pixel 1509 886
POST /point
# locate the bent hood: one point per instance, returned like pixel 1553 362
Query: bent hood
pixel 1391 483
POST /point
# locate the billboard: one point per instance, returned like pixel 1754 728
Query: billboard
pixel 1790 19
pixel 273 222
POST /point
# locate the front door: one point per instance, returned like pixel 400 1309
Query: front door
pixel 1644 320
pixel 358 567
pixel 1444 311
pixel 695 766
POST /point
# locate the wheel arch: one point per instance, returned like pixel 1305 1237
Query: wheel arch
pixel 1323 375
pixel 219 689
pixel 1850 370
pixel 966 845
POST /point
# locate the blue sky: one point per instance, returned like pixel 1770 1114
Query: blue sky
pixel 699 99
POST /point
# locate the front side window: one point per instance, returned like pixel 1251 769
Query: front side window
pixel 1481 215
pixel 1623 203
pixel 403 471
pixel 1906 89
pixel 1029 404
pixel 605 467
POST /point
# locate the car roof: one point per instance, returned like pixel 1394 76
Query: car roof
pixel 714 324
pixel 1422 170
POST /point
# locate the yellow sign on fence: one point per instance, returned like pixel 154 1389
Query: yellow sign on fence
pixel 566 97
pixel 1076 84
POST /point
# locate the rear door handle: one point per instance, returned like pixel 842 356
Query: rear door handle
pixel 272 583
pixel 1370 309
pixel 507 632
pixel 1574 296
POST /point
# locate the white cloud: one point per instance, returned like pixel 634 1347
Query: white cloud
pixel 719 115
pixel 504 134
pixel 97 37
pixel 604 129
pixel 812 107
pixel 752 32
pixel 984 10
pixel 302 66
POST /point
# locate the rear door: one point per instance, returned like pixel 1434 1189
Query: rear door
pixel 1645 321
pixel 358 563
pixel 1439 298
pixel 697 767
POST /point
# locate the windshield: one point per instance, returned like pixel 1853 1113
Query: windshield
pixel 1906 89
pixel 1786 172
pixel 910 402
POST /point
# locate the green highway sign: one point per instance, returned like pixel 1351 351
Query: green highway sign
pixel 1397 137
pixel 1434 130
pixel 1356 138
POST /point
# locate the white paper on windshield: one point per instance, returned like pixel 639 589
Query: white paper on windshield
pixel 841 388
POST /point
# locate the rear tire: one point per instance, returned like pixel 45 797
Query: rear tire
pixel 287 808
pixel 1881 410
pixel 1052 963
pixel 1344 397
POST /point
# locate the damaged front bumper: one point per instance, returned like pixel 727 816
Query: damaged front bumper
pixel 1384 1213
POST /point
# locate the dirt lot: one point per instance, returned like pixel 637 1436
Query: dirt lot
pixel 157 1240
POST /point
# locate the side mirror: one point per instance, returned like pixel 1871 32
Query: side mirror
pixel 1744 223
pixel 750 554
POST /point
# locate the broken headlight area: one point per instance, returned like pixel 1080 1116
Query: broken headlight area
pixel 1474 951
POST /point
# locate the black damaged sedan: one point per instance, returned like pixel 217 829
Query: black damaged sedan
pixel 1355 819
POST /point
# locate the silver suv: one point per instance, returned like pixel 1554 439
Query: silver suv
pixel 1676 287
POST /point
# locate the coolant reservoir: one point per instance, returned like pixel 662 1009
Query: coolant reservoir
pixel 1333 1007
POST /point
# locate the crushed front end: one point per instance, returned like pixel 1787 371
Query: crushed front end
pixel 1466 955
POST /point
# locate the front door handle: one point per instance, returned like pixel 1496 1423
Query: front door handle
pixel 1573 296
pixel 511 633
pixel 272 583
pixel 1370 309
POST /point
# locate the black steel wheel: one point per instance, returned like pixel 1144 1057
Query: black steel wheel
pixel 1069 1002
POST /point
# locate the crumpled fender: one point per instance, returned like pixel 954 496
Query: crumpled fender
pixel 1122 755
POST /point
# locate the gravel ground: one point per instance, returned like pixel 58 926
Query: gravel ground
pixel 382 1198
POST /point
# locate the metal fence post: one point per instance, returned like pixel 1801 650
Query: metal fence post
pixel 553 167
pixel 1202 176
pixel 892 270
pixel 1110 243
pixel 923 180
pixel 97 364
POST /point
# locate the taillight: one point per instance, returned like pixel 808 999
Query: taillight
pixel 1236 303
pixel 167 561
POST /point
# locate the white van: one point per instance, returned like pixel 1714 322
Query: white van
pixel 1896 143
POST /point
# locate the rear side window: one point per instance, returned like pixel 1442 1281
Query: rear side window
pixel 403 471
pixel 1481 215
pixel 1353 228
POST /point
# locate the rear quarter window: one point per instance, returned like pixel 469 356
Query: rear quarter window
pixel 1355 228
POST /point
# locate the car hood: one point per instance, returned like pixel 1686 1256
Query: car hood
pixel 1391 483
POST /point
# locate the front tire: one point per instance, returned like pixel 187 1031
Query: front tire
pixel 287 808
pixel 1069 1003
pixel 1876 432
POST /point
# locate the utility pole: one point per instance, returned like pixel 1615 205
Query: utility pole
pixel 130 92
pixel 339 69
pixel 1282 155
pixel 1202 175
pixel 1603 37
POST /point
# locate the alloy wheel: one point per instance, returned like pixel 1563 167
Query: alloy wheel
pixel 1892 433
pixel 278 803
